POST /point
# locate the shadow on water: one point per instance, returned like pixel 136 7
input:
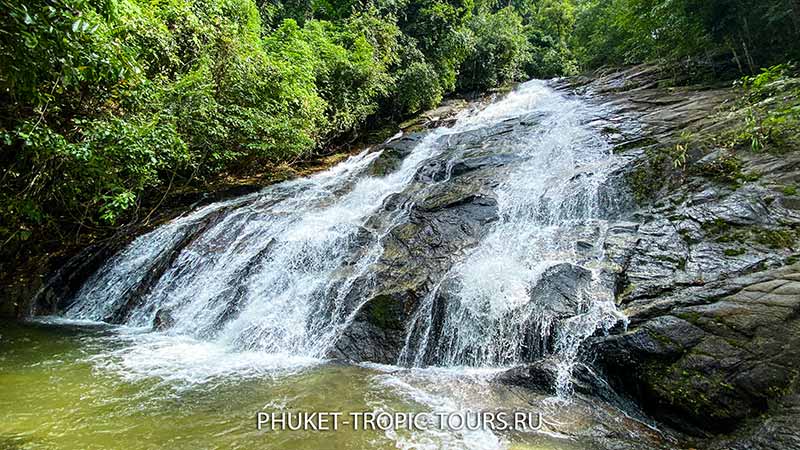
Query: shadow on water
pixel 12 442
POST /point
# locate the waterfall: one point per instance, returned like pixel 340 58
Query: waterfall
pixel 551 210
pixel 275 271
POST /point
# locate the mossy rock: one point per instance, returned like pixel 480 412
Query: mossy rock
pixel 384 312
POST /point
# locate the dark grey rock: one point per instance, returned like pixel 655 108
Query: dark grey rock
pixel 376 333
pixel 393 153
pixel 715 363
pixel 559 289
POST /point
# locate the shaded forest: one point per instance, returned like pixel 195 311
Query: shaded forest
pixel 107 104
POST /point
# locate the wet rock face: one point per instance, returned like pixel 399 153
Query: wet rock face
pixel 437 232
pixel 393 152
pixel 377 332
pixel 704 273
pixel 720 360
pixel 559 290
pixel 778 431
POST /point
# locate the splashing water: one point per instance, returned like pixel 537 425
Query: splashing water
pixel 550 205
pixel 275 271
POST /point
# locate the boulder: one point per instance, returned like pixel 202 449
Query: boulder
pixel 560 289
pixel 715 361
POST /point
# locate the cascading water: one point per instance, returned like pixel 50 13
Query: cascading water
pixel 440 260
pixel 275 271
pixel 550 205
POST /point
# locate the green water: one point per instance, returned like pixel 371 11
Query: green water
pixel 65 387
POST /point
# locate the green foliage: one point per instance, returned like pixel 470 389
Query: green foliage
pixel 351 69
pixel 771 109
pixel 629 31
pixel 437 28
pixel 104 105
pixel 418 87
pixel 53 52
pixel 759 84
pixel 550 26
pixel 499 52
pixel 753 34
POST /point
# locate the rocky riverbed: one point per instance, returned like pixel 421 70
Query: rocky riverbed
pixel 695 246
pixel 707 273
pixel 703 267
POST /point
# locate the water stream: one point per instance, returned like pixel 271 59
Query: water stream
pixel 234 307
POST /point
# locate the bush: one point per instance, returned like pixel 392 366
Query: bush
pixel 105 104
pixel 499 52
pixel 771 107
pixel 350 73
pixel 418 88
pixel 753 34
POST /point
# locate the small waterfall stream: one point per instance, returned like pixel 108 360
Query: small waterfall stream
pixel 551 208
pixel 273 278
pixel 272 271
pixel 258 292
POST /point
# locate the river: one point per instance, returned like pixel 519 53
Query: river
pixel 242 306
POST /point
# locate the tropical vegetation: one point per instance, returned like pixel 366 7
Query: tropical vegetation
pixel 107 104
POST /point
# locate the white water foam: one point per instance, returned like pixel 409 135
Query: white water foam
pixel 264 285
pixel 181 362
pixel 548 202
